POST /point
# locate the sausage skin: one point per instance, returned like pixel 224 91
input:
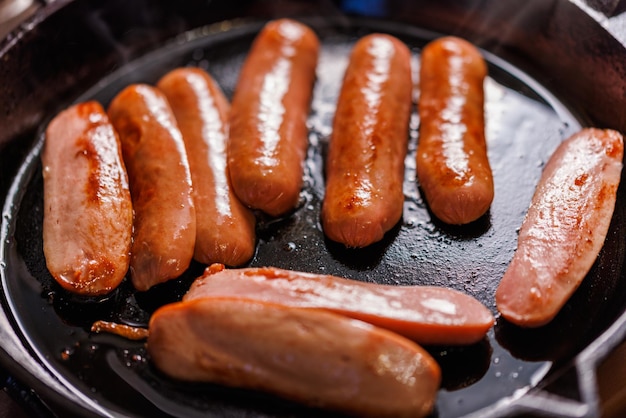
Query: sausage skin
pixel 365 162
pixel 268 133
pixel 88 214
pixel 564 228
pixel 164 230
pixel 224 226
pixel 311 356
pixel 425 314
pixel 452 165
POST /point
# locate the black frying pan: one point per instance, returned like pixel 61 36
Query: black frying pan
pixel 552 69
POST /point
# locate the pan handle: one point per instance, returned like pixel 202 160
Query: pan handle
pixel 611 375
pixel 610 14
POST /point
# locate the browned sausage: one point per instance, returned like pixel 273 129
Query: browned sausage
pixel 164 230
pixel 365 162
pixel 224 226
pixel 268 134
pixel 564 229
pixel 452 165
pixel 310 356
pixel 88 215
pixel 426 314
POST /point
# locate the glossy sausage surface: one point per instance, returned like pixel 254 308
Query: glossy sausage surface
pixel 88 214
pixel 310 356
pixel 224 226
pixel 164 229
pixel 365 162
pixel 564 229
pixel 268 133
pixel 426 314
pixel 452 165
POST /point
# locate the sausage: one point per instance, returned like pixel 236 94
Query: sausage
pixel 426 314
pixel 224 226
pixel 365 161
pixel 452 165
pixel 164 229
pixel 311 356
pixel 268 133
pixel 564 228
pixel 88 214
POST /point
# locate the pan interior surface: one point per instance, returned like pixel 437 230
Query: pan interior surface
pixel 524 124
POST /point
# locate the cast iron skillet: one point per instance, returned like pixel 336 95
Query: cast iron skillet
pixel 552 70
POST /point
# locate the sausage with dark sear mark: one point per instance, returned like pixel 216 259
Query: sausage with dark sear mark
pixel 160 184
pixel 426 314
pixel 88 214
pixel 564 229
pixel 365 163
pixel 452 165
pixel 268 133
pixel 224 226
pixel 311 356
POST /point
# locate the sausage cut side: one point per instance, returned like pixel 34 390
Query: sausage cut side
pixel 426 314
pixel 88 214
pixel 311 356
pixel 564 228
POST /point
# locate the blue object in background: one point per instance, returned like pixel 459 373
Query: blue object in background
pixel 375 8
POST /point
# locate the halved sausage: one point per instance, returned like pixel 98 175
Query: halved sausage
pixel 311 356
pixel 426 314
pixel 88 214
pixel 564 229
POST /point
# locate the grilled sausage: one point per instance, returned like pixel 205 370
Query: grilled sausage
pixel 160 184
pixel 426 314
pixel 564 229
pixel 224 226
pixel 452 165
pixel 365 161
pixel 310 356
pixel 88 214
pixel 268 134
